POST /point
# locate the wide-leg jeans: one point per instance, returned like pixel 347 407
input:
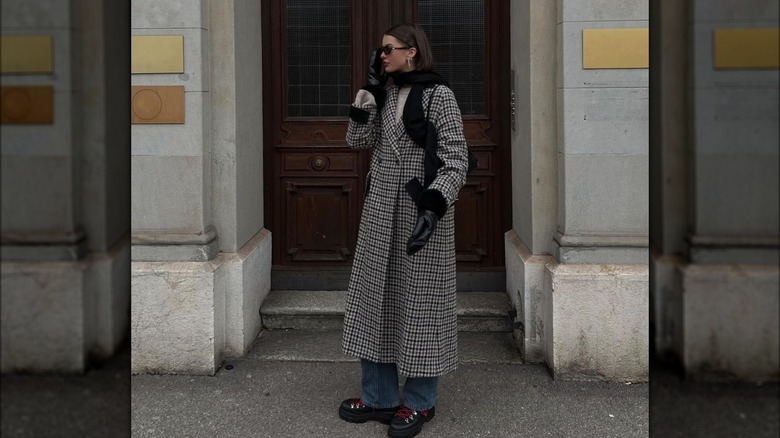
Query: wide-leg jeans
pixel 380 388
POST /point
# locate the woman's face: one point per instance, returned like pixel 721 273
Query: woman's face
pixel 395 61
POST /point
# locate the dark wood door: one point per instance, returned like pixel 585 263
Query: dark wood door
pixel 315 55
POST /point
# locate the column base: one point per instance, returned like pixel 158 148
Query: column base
pixel 730 329
pixel 59 315
pixel 109 276
pixel 596 322
pixel 718 322
pixel 188 316
pixel 525 286
pixel 666 313
pixel 247 275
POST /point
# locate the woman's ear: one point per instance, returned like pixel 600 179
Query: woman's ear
pixel 413 51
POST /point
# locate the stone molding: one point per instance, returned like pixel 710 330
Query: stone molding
pixel 601 249
pixel 753 250
pixel 174 237
pixel 162 246
pixel 44 246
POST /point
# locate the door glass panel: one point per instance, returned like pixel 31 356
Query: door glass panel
pixel 318 75
pixel 456 30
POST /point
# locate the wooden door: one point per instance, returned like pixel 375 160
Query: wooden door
pixel 315 56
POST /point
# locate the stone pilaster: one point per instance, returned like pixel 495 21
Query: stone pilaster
pixel 723 264
pixel 597 290
pixel 577 271
pixel 171 163
pixel 528 245
pixel 65 195
pixel 201 257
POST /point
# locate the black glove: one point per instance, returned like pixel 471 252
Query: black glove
pixel 431 206
pixel 423 230
pixel 376 71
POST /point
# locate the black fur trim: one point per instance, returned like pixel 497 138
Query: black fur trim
pixel 379 93
pixel 358 114
pixel 414 188
pixel 433 200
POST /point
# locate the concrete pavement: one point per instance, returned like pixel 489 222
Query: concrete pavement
pixel 95 404
pixel 276 398
pixel 292 382
pixel 300 399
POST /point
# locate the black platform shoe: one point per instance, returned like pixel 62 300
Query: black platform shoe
pixel 408 422
pixel 355 411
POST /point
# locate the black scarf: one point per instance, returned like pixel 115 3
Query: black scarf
pixel 414 117
pixel 417 125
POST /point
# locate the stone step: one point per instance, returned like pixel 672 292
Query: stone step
pixel 325 346
pixel 324 310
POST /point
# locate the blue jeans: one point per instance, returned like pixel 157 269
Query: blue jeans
pixel 380 388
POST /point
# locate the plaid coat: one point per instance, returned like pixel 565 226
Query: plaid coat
pixel 400 308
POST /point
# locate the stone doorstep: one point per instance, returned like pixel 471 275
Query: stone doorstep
pixel 325 346
pixel 324 310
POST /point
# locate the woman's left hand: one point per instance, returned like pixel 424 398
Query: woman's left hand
pixel 423 230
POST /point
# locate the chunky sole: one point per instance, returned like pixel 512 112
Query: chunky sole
pixel 409 433
pixel 382 417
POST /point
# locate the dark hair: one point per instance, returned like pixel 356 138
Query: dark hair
pixel 412 35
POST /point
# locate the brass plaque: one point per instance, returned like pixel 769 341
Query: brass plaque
pixel 746 48
pixel 157 104
pixel 157 54
pixel 26 54
pixel 25 104
pixel 615 48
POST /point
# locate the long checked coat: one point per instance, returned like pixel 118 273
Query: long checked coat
pixel 399 308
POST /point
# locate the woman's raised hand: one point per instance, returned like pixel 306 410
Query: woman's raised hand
pixel 376 71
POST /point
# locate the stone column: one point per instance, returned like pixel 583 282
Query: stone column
pixel 597 293
pixel 201 257
pixel 577 271
pixel 528 245
pixel 65 194
pixel 237 132
pixel 717 302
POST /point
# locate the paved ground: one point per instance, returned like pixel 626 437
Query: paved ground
pixel 688 408
pixel 300 399
pixel 265 398
pixel 96 404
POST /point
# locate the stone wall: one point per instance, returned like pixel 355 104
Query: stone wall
pixel 65 193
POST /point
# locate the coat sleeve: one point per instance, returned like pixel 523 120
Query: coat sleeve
pixel 452 148
pixel 365 128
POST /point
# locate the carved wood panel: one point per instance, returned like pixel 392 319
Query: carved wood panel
pixel 472 214
pixel 315 229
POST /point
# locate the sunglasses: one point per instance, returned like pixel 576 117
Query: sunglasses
pixel 388 49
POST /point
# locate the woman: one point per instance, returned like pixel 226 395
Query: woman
pixel 400 309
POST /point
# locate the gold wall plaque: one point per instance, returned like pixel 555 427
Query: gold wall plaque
pixel 157 104
pixel 26 54
pixel 746 48
pixel 26 104
pixel 157 54
pixel 615 48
